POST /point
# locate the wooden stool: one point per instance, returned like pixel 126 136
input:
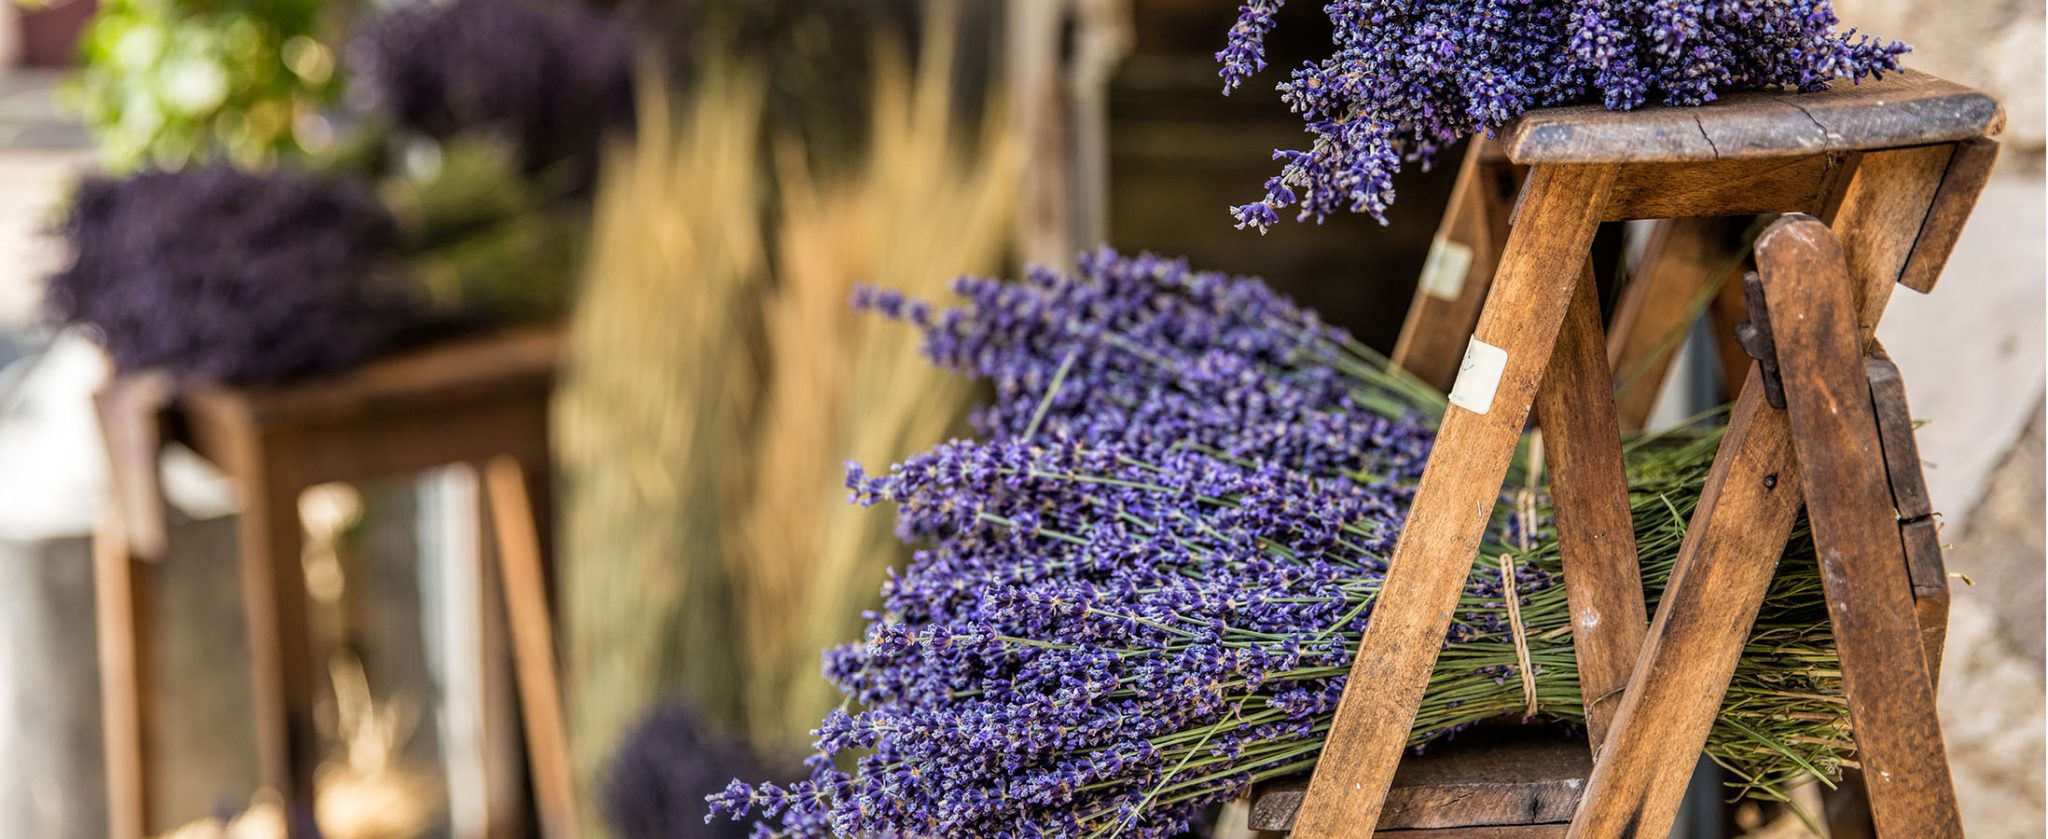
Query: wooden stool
pixel 1895 166
pixel 481 401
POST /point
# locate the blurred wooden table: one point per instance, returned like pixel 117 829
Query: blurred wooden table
pixel 481 401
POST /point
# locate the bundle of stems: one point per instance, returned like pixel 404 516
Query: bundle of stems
pixel 1140 588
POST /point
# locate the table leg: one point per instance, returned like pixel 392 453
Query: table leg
pixel 518 493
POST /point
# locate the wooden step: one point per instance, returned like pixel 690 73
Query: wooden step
pixel 1496 782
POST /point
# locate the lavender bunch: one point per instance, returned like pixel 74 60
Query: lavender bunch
pixel 217 274
pixel 547 77
pixel 655 786
pixel 1405 79
pixel 1139 589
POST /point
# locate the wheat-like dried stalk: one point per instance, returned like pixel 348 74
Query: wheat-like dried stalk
pixel 931 202
pixel 653 413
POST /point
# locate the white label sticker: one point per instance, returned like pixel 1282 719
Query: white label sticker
pixel 1478 376
pixel 1443 273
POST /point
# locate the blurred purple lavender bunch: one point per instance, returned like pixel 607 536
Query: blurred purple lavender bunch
pixel 547 77
pixel 1406 79
pixel 216 274
pixel 666 766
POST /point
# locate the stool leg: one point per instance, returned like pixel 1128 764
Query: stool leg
pixel 1686 263
pixel 518 496
pixel 121 593
pixel 281 653
pixel 1561 208
pixel 1725 564
pixel 1595 530
pixel 1870 599
pixel 1462 259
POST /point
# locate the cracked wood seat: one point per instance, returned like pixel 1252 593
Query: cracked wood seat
pixel 1908 108
pixel 1498 782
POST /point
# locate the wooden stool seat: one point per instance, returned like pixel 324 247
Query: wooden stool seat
pixel 1497 782
pixel 1908 108
pixel 481 401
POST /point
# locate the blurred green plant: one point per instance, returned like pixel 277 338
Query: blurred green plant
pixel 166 82
pixel 486 242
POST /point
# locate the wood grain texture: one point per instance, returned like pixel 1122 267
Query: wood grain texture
pixel 1924 566
pixel 1968 170
pixel 1433 333
pixel 1686 261
pixel 1895 432
pixel 1490 777
pixel 1903 109
pixel 1729 309
pixel 1560 209
pixel 1589 491
pixel 1883 206
pixel 1731 549
pixel 1870 600
pixel 1726 187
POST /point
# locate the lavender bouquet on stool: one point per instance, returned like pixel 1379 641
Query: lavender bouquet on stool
pixel 1405 79
pixel 1139 588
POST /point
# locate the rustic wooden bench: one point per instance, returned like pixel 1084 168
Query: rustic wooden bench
pixel 1888 170
pixel 481 401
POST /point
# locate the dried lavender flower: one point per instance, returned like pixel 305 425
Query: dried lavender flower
pixel 217 274
pixel 1138 591
pixel 1406 79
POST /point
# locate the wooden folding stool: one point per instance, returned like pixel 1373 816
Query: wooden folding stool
pixel 1895 165
pixel 480 401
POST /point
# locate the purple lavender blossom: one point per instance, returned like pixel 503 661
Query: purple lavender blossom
pixel 1137 591
pixel 1405 80
pixel 547 76
pixel 668 763
pixel 1177 516
pixel 216 274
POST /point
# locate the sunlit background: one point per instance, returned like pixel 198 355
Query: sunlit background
pixel 681 196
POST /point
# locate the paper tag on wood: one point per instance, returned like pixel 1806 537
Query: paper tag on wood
pixel 1478 376
pixel 1443 273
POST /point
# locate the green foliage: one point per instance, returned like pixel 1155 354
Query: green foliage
pixel 166 82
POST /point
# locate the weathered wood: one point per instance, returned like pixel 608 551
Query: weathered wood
pixel 1726 187
pixel 1458 271
pixel 1903 109
pixel 518 499
pixel 1870 601
pixel 1924 566
pixel 1491 777
pixel 1728 310
pixel 1882 207
pixel 1930 590
pixel 1589 491
pixel 1526 831
pixel 1685 265
pixel 1559 212
pixel 1731 549
pixel 1968 170
pixel 1895 432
